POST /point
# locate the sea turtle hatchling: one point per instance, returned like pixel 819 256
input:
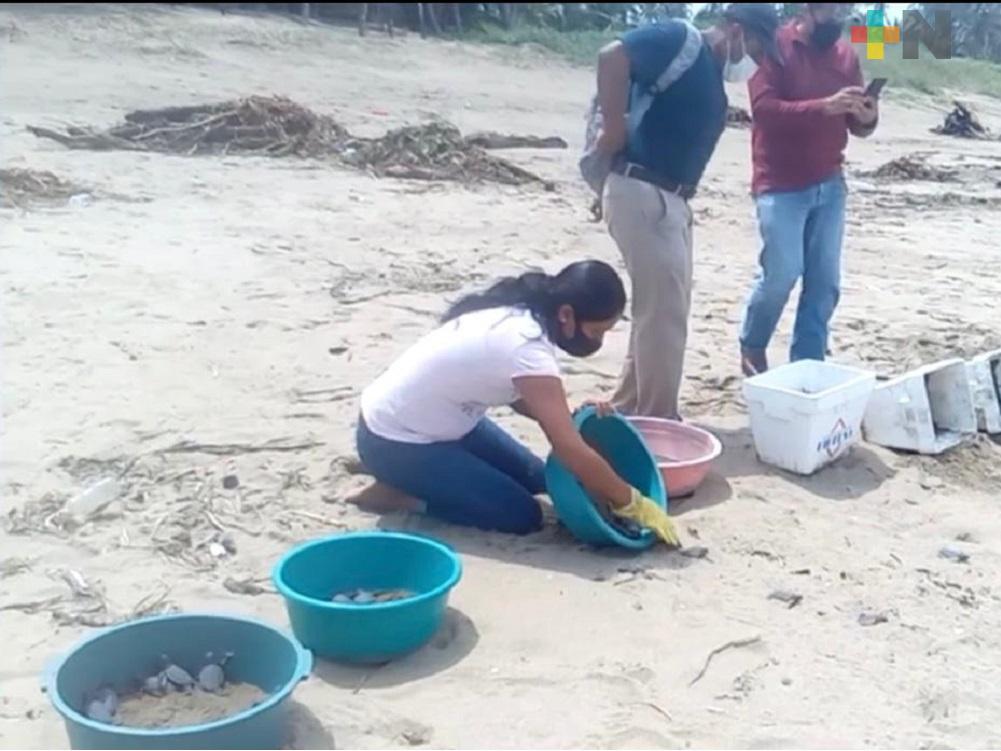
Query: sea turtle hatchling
pixel 212 677
pixel 371 597
pixel 156 685
pixel 102 706
pixel 178 676
pixel 98 712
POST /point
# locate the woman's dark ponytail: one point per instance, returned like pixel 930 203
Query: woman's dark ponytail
pixel 532 291
pixel 592 288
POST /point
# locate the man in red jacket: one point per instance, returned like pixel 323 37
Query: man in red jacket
pixel 803 110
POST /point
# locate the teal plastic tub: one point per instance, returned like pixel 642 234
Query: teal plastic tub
pixel 309 575
pixel 120 656
pixel 623 447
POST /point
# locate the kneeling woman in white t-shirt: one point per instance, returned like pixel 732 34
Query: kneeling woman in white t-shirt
pixel 423 430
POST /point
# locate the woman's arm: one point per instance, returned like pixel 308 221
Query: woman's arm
pixel 522 409
pixel 546 401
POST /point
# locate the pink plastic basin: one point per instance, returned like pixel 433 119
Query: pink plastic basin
pixel 684 453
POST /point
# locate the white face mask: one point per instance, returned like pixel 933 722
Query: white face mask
pixel 742 70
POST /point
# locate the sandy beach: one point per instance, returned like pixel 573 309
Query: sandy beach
pixel 201 317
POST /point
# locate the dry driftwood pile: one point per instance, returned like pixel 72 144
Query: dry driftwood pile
pixel 26 187
pixel 276 126
pixel 962 123
pixel 436 151
pixel 272 126
pixel 913 167
pixel 737 117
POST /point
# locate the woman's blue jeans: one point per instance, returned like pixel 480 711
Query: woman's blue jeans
pixel 486 479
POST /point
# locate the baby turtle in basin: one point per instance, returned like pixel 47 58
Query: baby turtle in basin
pixel 371 596
pixel 250 712
pixel 156 685
pixel 102 706
pixel 627 527
pixel 212 677
pixel 177 676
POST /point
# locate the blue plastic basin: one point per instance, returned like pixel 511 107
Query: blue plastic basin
pixel 308 576
pixel 120 656
pixel 623 447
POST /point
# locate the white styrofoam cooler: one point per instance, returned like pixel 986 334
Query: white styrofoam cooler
pixel 928 410
pixel 985 381
pixel 808 413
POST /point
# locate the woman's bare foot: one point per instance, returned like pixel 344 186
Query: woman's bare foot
pixel 378 498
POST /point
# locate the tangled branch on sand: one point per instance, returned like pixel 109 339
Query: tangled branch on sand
pixel 912 167
pixel 435 151
pixel 26 187
pixel 269 126
pixel 37 517
pixel 229 449
pixel 276 126
pixel 249 586
pixel 962 123
pixel 736 644
pixel 492 140
pixel 193 515
pixel 13 566
pixel 87 605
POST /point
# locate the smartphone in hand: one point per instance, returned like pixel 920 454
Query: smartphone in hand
pixel 875 86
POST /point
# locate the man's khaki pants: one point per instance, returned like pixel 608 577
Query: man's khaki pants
pixel 653 229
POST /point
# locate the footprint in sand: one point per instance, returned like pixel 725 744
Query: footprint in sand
pixel 401 732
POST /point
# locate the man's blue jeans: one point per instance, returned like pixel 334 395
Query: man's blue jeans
pixel 486 479
pixel 801 232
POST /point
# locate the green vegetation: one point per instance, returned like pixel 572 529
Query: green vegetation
pixel 576 31
pixel 579 47
pixel 940 78
pixel 935 77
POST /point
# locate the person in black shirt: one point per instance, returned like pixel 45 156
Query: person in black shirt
pixel 659 159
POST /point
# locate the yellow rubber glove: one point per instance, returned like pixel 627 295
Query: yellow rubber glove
pixel 647 513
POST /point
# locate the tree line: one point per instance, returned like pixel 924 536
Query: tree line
pixel 976 26
pixel 459 17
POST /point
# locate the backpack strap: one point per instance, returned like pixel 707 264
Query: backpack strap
pixel 594 167
pixel 640 99
pixel 684 60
